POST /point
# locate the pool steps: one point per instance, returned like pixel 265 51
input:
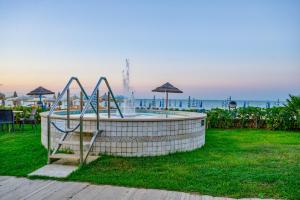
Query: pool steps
pixel 91 100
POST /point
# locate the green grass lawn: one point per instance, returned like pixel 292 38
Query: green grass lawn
pixel 21 152
pixel 233 163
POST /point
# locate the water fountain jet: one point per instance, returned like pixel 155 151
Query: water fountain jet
pixel 128 107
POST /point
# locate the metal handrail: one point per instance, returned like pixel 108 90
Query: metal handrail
pixel 64 91
pixel 65 131
pixel 83 111
pixel 91 144
pixel 94 92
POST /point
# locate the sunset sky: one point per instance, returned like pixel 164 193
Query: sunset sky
pixel 209 49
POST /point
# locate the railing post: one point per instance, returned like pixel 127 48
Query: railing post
pixel 81 101
pixel 49 137
pixel 113 97
pixel 81 130
pixel 81 142
pixel 97 107
pixel 68 108
pixel 108 104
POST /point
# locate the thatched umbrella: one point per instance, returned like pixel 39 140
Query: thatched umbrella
pixel 167 88
pixel 39 92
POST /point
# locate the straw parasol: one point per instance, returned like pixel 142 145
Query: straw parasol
pixel 39 92
pixel 167 88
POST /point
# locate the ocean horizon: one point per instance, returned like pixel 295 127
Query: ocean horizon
pixel 204 104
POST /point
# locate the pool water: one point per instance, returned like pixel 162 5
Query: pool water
pixel 115 115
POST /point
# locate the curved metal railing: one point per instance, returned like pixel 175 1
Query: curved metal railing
pixel 66 130
pixel 64 91
pixel 96 88
pixel 89 102
pixel 84 109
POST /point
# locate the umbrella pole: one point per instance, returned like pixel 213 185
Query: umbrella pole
pixel 167 101
pixel 41 101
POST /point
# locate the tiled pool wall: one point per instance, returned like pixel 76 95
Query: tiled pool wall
pixel 135 138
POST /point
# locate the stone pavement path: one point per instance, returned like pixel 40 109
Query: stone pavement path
pixel 23 188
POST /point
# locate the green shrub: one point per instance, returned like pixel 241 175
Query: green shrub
pixel 276 118
pixel 220 118
pixel 293 105
pixel 280 118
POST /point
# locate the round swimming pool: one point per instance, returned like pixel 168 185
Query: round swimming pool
pixel 146 133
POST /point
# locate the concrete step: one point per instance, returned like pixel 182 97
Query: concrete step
pixel 84 133
pixel 64 156
pixel 67 142
pixel 54 170
pixel 91 158
pixel 71 159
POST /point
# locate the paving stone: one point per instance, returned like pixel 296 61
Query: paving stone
pixel 54 170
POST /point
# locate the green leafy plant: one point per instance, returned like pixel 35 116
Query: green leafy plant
pixel 276 118
pixel 293 105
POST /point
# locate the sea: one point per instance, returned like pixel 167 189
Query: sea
pixel 191 103
pixel 204 104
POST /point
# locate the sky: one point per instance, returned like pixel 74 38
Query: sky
pixel 209 49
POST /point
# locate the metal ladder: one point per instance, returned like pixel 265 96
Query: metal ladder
pixel 52 154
